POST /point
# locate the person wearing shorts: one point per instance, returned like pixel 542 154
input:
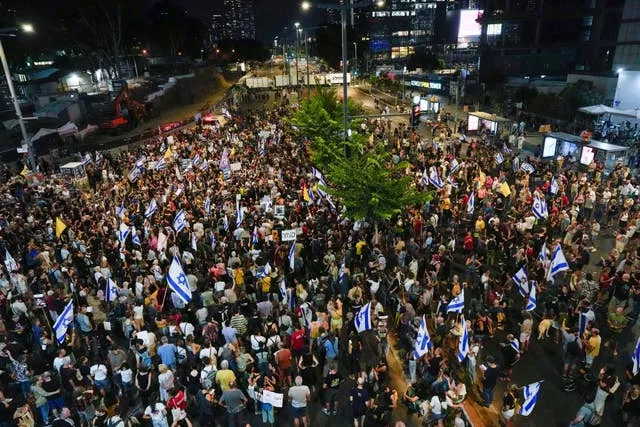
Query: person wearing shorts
pixel 359 398
pixel 331 385
pixel 299 396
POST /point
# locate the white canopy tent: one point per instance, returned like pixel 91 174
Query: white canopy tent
pixel 598 110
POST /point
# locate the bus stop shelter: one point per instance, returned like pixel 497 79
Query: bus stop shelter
pixel 494 124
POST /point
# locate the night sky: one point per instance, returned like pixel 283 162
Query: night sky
pixel 271 15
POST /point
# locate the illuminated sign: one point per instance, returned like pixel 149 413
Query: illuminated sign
pixel 427 85
pixel 549 148
pixel 473 123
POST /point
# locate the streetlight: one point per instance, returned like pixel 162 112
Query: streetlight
pixel 11 32
pixel 344 7
pixel 355 60
pixel 298 30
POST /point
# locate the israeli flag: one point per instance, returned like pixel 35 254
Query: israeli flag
pixel 454 166
pixel 312 197
pixel 499 158
pixel 254 235
pixel 134 174
pixel 516 164
pixel 283 290
pixel 435 179
pixel 123 233
pixel 151 209
pixel 452 182
pixel 341 274
pixel 582 323
pixel 292 255
pixel 555 187
pixel 362 321
pixel 636 357
pixel 212 237
pixel 515 344
pixel 521 280
pixel 530 398
pixel 531 301
pixel 226 113
pixel 141 161
pixel 317 174
pixel 423 340
pixel 134 237
pixel 463 345
pixel 196 160
pixel 120 210
pixel 207 205
pixel 526 167
pixel 266 270
pixel 558 262
pixel 180 221
pixel 239 215
pixel 178 282
pixel 9 262
pixel 86 159
pixel 225 222
pixel 425 178
pixel 62 322
pixel 539 208
pixel 471 203
pixel 111 293
pixel 194 242
pixel 456 305
pixel 544 253
pixel 204 165
pixel 261 147
pixel 506 149
pixel 161 164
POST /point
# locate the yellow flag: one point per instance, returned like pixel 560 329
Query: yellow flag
pixel 60 226
pixel 504 189
pixel 168 154
pixel 25 171
pixel 233 151
pixel 305 193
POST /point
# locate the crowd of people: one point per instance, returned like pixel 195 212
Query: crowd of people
pixel 264 327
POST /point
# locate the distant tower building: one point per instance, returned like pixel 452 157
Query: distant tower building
pixel 239 20
pixel 216 31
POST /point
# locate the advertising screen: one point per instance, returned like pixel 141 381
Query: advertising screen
pixel 473 123
pixel 549 148
pixel 587 156
pixel 469 30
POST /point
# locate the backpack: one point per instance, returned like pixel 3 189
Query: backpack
pixel 210 379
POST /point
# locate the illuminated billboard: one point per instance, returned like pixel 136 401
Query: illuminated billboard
pixel 469 29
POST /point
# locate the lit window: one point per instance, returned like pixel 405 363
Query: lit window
pixel 494 29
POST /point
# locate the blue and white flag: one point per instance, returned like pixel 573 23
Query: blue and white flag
pixel 463 345
pixel 636 357
pixel 555 187
pixel 134 237
pixel 531 301
pixel 283 290
pixel 317 174
pixel 134 174
pixel 539 207
pixel 515 344
pixel 62 322
pixel 151 209
pixel 506 149
pixel 225 222
pixel 212 238
pixel 140 161
pixel 341 274
pixel 111 293
pixel 207 205
pixel 196 160
pixel 456 305
pixel 161 164
pixel 558 262
pixel 292 255
pixel 86 159
pixel 194 242
pixel 362 321
pixel 254 235
pixel 471 203
pixel 425 178
pixel 226 113
pixel 454 166
pixel 499 158
pixel 123 233
pixel 178 282
pixel 435 179
pixel 521 280
pixel 516 164
pixel 225 165
pixel 180 221
pixel 9 262
pixel 423 340
pixel 451 181
pixel 582 323
pixel 204 165
pixel 239 214
pixel 120 210
pixel 264 272
pixel 526 167
pixel 544 253
pixel 530 398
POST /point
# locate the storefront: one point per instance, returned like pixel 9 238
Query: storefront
pixel 493 124
pixel 608 154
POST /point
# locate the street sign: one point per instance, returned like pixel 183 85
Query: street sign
pixel 288 235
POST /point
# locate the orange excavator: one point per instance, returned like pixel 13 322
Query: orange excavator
pixel 127 112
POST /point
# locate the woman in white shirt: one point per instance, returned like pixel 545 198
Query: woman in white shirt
pixel 439 404
pixel 165 382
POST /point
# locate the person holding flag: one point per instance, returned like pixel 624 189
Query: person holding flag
pixel 471 203
pixel 456 305
pixel 177 281
pixel 423 341
pixel 362 319
pixel 63 322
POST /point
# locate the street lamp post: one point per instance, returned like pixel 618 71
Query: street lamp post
pixel 297 27
pixel 27 28
pixel 355 59
pixel 306 53
pixel 345 6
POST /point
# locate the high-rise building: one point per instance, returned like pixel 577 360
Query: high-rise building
pixel 627 56
pixel 216 30
pixel 404 27
pixel 239 20
pixel 542 37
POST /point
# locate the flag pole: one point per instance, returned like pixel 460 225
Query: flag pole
pixel 48 321
pixel 164 297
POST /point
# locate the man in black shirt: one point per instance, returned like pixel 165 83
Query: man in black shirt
pixel 331 385
pixel 359 398
pixel 491 372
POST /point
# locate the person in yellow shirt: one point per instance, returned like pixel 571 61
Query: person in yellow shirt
pixel 480 227
pixel 592 347
pixel 359 247
pixel 225 376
